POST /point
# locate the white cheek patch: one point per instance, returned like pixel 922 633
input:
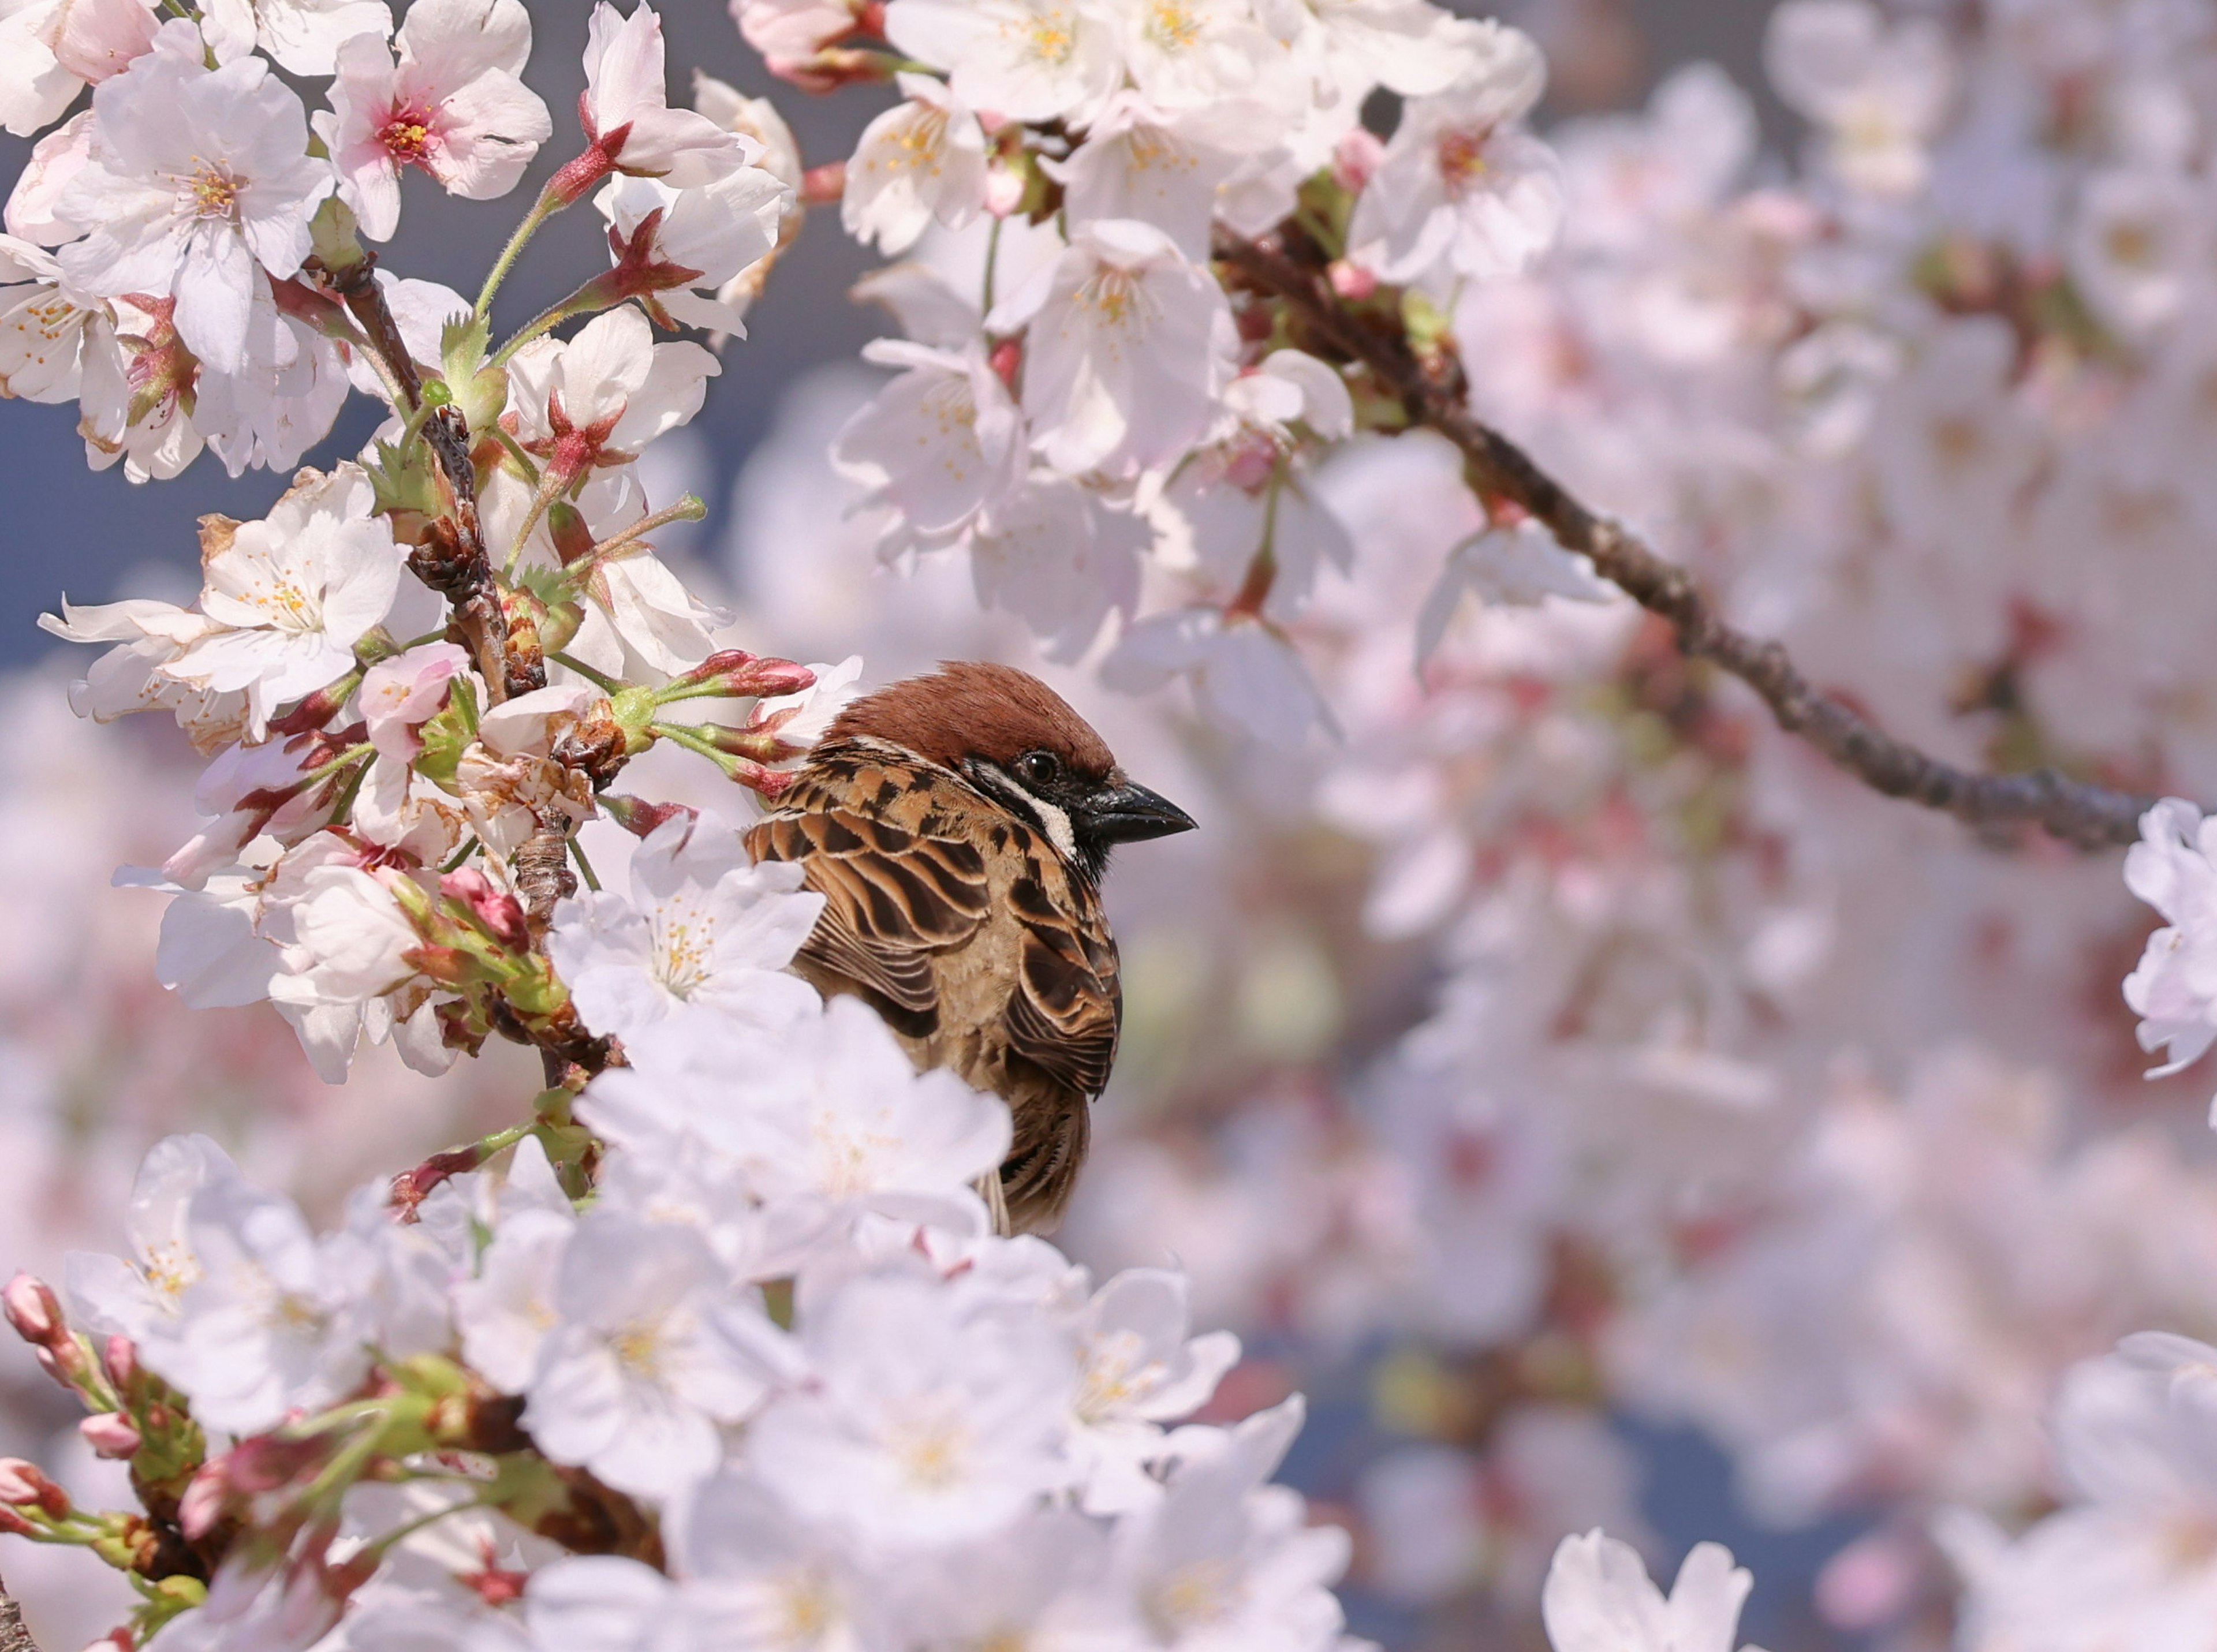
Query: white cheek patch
pixel 1053 821
pixel 1057 824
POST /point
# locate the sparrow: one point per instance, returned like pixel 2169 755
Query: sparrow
pixel 958 825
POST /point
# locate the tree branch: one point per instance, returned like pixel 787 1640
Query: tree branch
pixel 1434 393
pixel 14 1636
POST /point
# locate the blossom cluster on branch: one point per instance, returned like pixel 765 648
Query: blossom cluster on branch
pixel 1200 379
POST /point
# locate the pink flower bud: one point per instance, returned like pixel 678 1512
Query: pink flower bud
pixel 739 675
pixel 1008 360
pixel 500 912
pixel 121 1360
pixel 1351 282
pixel 110 1435
pixel 641 817
pixel 1356 160
pixel 820 186
pixel 24 1484
pixel 1004 190
pixel 32 1308
pixel 207 1496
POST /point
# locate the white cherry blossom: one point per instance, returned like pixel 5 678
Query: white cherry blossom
pixel 923 1423
pixel 652 1350
pixel 720 232
pixel 941 443
pixel 1137 163
pixel 1129 345
pixel 197 184
pixel 1026 60
pixel 2174 990
pixel 922 160
pixel 1879 91
pixel 1598 1598
pixel 289 597
pixel 49 49
pixel 705 931
pixel 627 106
pixel 304 36
pixel 1463 192
pixel 453 104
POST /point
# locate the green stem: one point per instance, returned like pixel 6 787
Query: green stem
pixel 605 684
pixel 688 509
pixel 992 263
pixel 584 867
pixel 684 737
pixel 515 451
pixel 593 295
pixel 542 209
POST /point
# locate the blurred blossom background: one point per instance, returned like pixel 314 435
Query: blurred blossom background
pixel 1608 1114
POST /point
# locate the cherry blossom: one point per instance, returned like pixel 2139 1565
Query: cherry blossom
pixel 627 106
pixel 1130 346
pixel 1029 59
pixel 922 160
pixel 1462 192
pixel 303 36
pixel 453 104
pixel 704 931
pixel 650 1352
pixel 53 48
pixel 923 1423
pixel 1598 1598
pixel 289 596
pixel 196 184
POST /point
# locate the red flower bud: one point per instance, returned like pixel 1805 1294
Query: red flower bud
pixel 822 185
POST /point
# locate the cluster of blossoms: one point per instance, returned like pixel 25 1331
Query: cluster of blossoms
pixel 1610 1054
pixel 1664 1072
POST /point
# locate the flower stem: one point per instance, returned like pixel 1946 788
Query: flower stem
pixel 605 684
pixel 542 209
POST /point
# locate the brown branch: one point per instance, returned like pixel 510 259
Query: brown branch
pixel 1434 393
pixel 14 1636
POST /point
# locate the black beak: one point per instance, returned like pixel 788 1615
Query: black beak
pixel 1124 813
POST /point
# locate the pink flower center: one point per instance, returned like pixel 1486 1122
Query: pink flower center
pixel 1462 159
pixel 407 135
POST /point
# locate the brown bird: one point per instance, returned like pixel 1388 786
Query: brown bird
pixel 958 825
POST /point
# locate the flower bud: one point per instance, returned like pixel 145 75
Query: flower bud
pixel 23 1485
pixel 110 1435
pixel 1356 159
pixel 738 675
pixel 641 817
pixel 821 186
pixel 498 911
pixel 32 1308
pixel 121 1360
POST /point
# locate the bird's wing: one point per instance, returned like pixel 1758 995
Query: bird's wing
pixel 1068 1004
pixel 892 898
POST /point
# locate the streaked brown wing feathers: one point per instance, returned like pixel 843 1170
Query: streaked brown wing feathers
pixel 892 899
pixel 1063 1015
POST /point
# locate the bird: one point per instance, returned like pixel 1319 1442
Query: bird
pixel 958 825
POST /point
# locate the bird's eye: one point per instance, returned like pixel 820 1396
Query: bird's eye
pixel 1039 768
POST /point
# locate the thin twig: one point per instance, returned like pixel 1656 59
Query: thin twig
pixel 14 1636
pixel 1435 395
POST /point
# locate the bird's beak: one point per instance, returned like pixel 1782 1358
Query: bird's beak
pixel 1125 813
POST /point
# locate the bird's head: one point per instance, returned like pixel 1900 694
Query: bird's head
pixel 1018 742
